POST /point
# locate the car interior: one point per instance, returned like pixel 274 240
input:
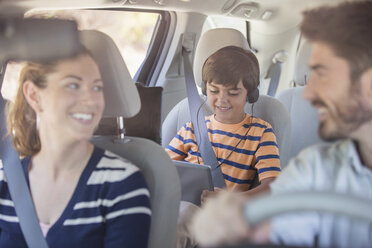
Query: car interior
pixel 138 46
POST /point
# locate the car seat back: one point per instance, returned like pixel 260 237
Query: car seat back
pixel 304 117
pixel 266 108
pixel 122 99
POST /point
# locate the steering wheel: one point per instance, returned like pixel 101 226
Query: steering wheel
pixel 268 206
pixel 265 207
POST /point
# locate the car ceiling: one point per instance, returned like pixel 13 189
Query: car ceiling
pixel 277 13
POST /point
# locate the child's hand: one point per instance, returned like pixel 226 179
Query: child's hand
pixel 206 194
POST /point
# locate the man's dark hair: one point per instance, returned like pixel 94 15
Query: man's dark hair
pixel 229 65
pixel 347 29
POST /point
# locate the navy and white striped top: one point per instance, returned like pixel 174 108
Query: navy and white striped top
pixel 110 207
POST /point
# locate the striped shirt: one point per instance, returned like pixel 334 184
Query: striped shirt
pixel 110 207
pixel 257 151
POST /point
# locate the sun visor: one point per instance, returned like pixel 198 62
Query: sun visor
pixel 37 39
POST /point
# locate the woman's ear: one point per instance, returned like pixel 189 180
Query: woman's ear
pixel 32 95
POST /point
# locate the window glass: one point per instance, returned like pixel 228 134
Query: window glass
pixel 131 31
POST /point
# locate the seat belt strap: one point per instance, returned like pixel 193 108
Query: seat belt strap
pixel 275 70
pixel 274 79
pixel 18 188
pixel 198 121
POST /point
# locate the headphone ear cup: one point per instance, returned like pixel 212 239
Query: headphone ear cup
pixel 253 96
pixel 203 88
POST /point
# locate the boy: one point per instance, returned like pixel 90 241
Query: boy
pixel 244 145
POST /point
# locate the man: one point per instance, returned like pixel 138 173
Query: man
pixel 340 87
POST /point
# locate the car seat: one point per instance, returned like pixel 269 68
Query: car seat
pixel 266 108
pixel 304 117
pixel 122 99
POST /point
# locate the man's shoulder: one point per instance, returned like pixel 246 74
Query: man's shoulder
pixel 329 148
pixel 326 153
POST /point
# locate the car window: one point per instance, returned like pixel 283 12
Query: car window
pixel 131 31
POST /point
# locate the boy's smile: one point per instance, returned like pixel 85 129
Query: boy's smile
pixel 227 102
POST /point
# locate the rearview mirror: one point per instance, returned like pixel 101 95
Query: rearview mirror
pixel 37 39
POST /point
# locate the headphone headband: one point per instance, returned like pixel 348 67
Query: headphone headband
pixel 253 94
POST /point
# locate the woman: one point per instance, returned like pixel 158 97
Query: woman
pixel 84 196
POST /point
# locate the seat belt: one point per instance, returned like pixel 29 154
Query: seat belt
pixel 274 74
pixel 275 70
pixel 205 147
pixel 18 187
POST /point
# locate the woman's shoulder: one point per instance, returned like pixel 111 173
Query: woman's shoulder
pixel 7 210
pixel 112 169
pixel 2 176
pixel 114 161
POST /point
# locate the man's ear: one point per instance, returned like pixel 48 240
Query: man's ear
pixel 32 95
pixel 366 84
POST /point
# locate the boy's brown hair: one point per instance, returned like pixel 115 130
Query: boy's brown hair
pixel 230 65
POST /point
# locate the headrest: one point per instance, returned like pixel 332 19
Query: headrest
pixel 302 70
pixel 213 40
pixel 121 95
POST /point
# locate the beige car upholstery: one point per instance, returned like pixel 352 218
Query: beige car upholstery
pixel 121 95
pixel 266 108
pixel 304 117
pixel 161 175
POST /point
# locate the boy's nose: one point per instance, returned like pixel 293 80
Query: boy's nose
pixel 222 97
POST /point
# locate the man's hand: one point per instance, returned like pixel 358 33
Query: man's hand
pixel 207 194
pixel 220 220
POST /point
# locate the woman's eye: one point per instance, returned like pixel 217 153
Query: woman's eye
pixel 98 88
pixel 73 86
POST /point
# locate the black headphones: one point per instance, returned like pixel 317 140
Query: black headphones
pixel 252 95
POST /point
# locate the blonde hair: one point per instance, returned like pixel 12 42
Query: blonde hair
pixel 21 118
